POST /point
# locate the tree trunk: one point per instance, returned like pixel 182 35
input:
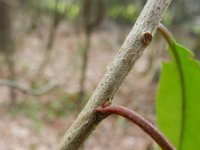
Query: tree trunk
pixel 50 42
pixel 7 44
pixel 93 14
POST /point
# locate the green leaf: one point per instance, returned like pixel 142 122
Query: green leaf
pixel 178 99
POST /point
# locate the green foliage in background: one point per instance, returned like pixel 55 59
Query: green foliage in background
pixel 67 9
pixel 167 18
pixel 123 13
pixel 196 29
pixel 117 10
pixel 178 99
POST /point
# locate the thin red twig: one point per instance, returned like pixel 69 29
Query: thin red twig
pixel 145 125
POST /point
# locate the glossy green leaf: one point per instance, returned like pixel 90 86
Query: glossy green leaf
pixel 178 99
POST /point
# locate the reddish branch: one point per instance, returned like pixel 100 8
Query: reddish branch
pixel 145 125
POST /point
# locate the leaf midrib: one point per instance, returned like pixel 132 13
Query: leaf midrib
pixel 183 90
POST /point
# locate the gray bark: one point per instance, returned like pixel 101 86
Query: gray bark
pixel 131 50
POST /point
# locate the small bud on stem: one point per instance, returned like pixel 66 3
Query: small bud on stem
pixel 146 38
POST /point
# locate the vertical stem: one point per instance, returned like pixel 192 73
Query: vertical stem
pixel 84 68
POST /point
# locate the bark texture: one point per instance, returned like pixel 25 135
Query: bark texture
pixel 133 47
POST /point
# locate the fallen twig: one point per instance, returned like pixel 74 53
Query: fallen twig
pixel 35 92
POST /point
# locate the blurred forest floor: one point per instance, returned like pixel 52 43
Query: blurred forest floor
pixel 40 122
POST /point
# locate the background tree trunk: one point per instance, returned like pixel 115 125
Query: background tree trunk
pixel 7 44
pixel 93 14
pixel 47 56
